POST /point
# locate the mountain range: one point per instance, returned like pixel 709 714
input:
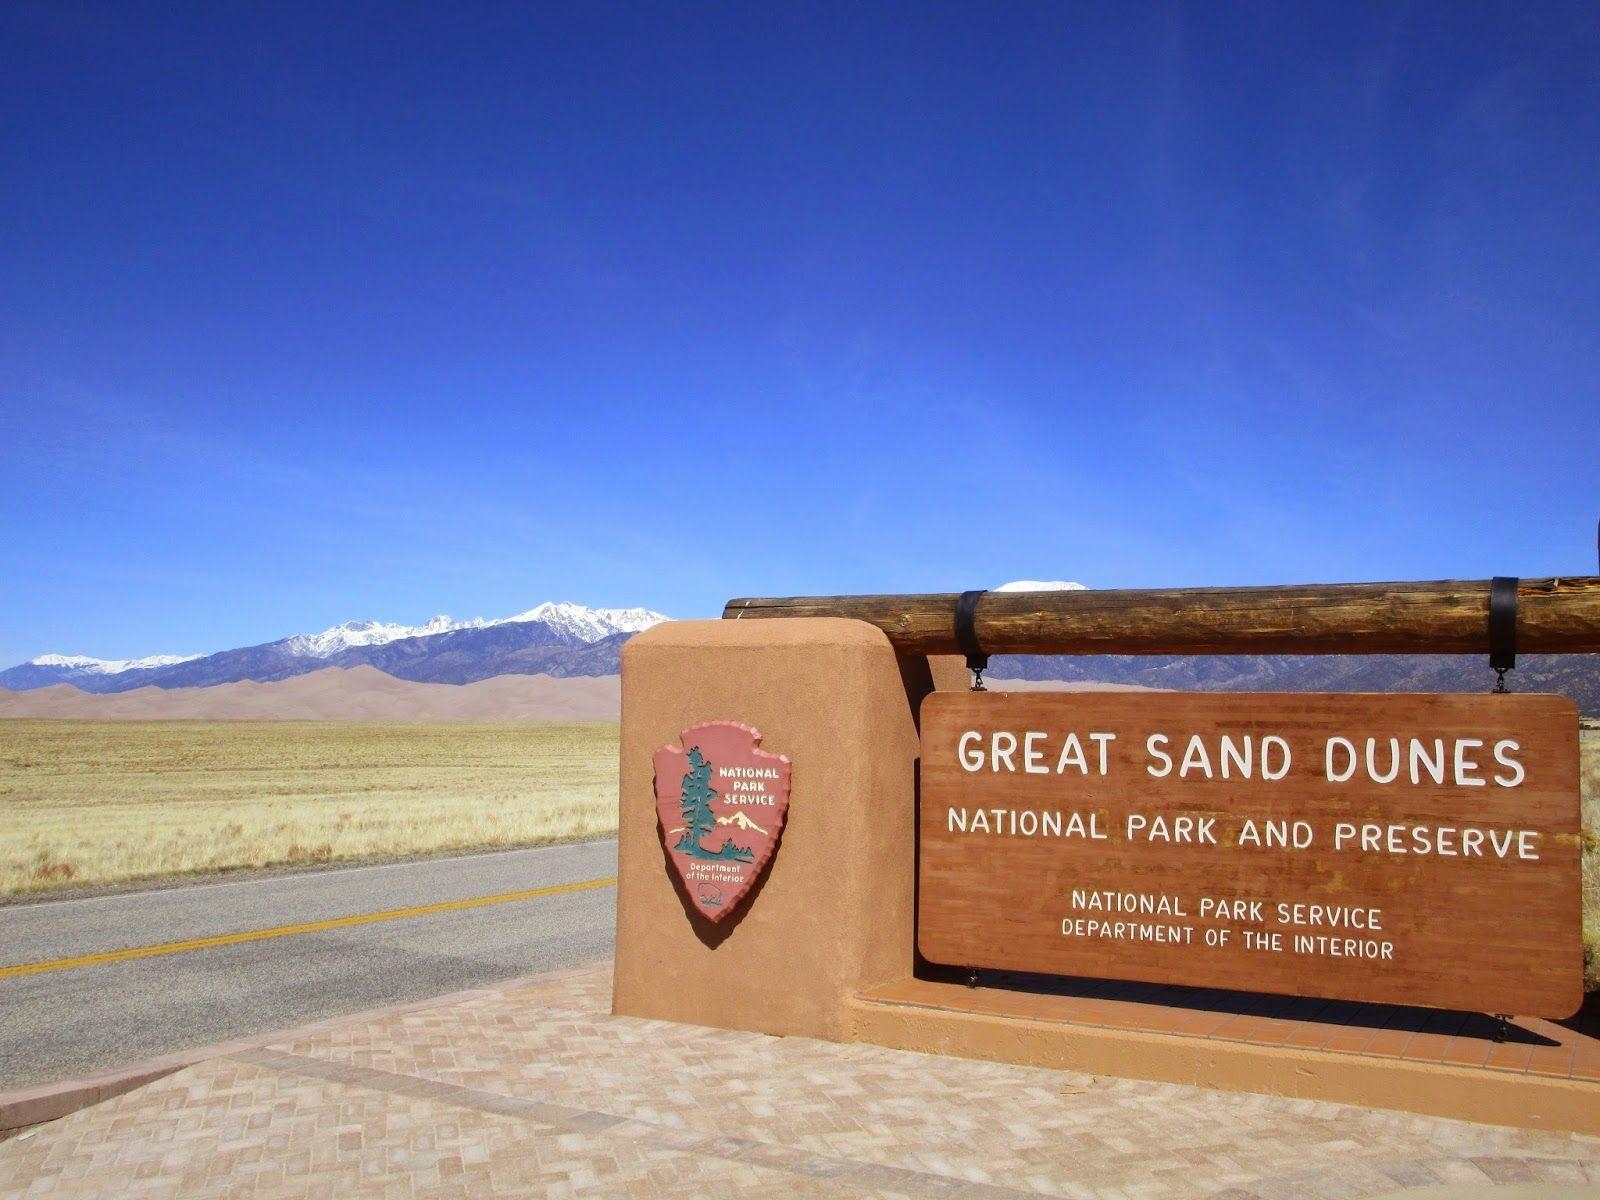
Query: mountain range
pixel 1576 676
pixel 553 639
pixel 570 640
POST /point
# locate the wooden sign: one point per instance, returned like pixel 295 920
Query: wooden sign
pixel 1419 849
pixel 721 801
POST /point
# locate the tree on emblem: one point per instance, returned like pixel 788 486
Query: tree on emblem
pixel 698 818
pixel 697 795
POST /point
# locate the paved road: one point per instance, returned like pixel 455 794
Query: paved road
pixel 63 1023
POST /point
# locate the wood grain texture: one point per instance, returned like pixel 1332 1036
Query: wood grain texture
pixel 1481 933
pixel 1444 617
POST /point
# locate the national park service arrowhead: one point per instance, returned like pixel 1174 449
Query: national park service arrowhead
pixel 722 801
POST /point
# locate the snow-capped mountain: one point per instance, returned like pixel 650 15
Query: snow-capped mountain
pixel 555 639
pixel 588 624
pixel 1039 585
pixel 108 666
pixel 90 674
pixel 369 633
pixel 575 621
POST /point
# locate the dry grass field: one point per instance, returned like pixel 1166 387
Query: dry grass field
pixel 85 803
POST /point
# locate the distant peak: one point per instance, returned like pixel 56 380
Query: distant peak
pixel 575 623
pixel 1040 585
pixel 573 620
pixel 109 666
pixel 587 624
pixel 370 633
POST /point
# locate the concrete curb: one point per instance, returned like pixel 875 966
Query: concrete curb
pixel 1434 1089
pixel 51 1101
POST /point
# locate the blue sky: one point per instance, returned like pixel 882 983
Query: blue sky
pixel 395 311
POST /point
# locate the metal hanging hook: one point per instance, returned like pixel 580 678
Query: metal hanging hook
pixel 1502 628
pixel 967 636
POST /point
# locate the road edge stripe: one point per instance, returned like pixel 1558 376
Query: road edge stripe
pixel 277 931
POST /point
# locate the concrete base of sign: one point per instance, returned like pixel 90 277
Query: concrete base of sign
pixel 947 1018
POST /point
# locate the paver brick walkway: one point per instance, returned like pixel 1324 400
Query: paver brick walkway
pixel 534 1089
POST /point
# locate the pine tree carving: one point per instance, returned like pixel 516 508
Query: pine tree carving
pixel 697 795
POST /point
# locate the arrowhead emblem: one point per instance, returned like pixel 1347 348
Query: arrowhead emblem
pixel 721 801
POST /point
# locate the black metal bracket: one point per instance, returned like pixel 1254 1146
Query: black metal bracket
pixel 1502 627
pixel 967 636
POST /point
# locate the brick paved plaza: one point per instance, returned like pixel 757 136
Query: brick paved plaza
pixel 535 1089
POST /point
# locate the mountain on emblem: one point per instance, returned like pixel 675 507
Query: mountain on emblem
pixel 742 821
pixel 721 801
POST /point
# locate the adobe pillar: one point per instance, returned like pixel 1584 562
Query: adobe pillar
pixel 833 913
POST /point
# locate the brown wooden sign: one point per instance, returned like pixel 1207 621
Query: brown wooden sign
pixel 1397 849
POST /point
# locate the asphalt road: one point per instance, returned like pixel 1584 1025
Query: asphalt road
pixel 74 1020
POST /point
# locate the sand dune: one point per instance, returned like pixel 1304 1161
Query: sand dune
pixel 367 694
pixel 334 694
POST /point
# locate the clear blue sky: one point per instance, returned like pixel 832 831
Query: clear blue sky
pixel 307 317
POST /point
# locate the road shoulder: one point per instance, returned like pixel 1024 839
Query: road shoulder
pixel 22 1108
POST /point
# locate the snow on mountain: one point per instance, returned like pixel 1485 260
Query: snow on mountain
pixel 553 638
pixel 1037 585
pixel 369 633
pixel 576 621
pixel 588 624
pixel 108 666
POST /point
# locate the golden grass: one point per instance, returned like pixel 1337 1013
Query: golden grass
pixel 105 802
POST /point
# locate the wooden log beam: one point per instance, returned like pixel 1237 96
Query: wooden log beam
pixel 1444 617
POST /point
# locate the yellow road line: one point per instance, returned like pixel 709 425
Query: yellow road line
pixel 278 931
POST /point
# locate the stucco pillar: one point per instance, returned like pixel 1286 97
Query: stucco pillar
pixel 834 912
